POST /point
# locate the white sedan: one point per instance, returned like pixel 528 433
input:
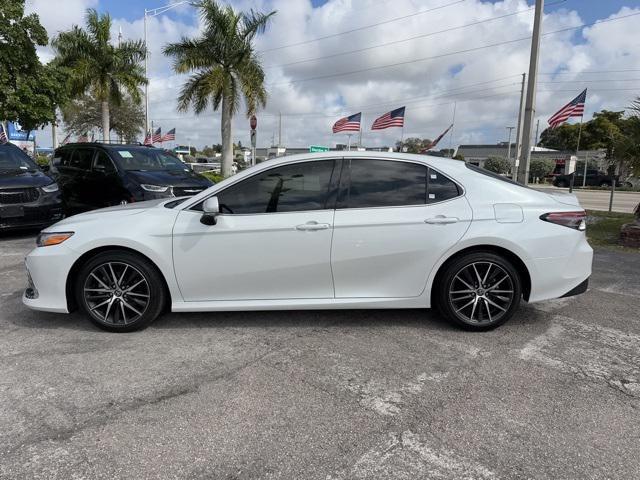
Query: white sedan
pixel 320 231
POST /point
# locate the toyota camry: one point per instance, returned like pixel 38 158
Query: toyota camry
pixel 320 231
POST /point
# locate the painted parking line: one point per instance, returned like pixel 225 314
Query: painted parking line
pixel 407 456
pixel 591 352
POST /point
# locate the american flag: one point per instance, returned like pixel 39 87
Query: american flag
pixel 83 138
pixel 435 142
pixel 147 138
pixel 575 108
pixel 170 136
pixel 348 124
pixel 157 136
pixel 394 118
pixel 3 135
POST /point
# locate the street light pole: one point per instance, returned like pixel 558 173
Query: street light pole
pixel 510 129
pixel 530 106
pixel 152 12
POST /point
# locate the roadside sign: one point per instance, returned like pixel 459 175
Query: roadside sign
pixel 253 122
pixel 318 148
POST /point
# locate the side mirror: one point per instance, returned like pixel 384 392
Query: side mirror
pixel 211 209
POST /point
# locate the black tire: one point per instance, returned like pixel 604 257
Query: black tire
pixel 605 184
pixel 453 284
pixel 562 184
pixel 137 294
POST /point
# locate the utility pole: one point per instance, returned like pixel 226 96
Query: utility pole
pixel 518 155
pixel 530 106
pixel 279 129
pixel 510 129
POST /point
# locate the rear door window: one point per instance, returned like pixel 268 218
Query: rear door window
pixel 81 158
pixel 382 183
pixel 103 163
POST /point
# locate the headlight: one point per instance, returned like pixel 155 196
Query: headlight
pixel 46 239
pixel 52 187
pixel 154 188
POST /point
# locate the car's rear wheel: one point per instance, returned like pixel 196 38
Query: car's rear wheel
pixel 562 184
pixel 120 291
pixel 605 184
pixel 479 291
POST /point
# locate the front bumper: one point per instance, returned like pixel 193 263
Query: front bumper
pixel 46 211
pixel 47 269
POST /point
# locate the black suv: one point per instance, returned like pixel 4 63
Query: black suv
pixel 28 197
pixel 96 175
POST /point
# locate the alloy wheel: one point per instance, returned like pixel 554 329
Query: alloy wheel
pixel 481 293
pixel 116 293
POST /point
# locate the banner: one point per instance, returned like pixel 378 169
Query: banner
pixel 15 132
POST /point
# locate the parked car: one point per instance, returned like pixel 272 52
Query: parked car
pixel 29 198
pixel 632 182
pixel 331 230
pixel 95 175
pixel 594 178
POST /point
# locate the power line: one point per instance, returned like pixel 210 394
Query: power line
pixel 468 50
pixel 608 80
pixel 365 27
pixel 459 27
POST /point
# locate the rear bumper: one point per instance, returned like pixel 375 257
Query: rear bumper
pixel 577 290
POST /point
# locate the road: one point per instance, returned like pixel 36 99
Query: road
pixel 396 394
pixel 623 202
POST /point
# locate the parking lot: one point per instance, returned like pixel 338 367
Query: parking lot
pixel 395 394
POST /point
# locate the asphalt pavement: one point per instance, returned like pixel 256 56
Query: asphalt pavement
pixel 331 395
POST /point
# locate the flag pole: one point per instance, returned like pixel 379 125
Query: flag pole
pixel 453 121
pixel 348 142
pixel 360 139
pixel 573 174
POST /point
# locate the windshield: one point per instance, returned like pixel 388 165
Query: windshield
pixel 147 159
pixel 12 159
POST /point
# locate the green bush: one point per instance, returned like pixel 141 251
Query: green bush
pixel 540 168
pixel 214 177
pixel 497 165
pixel 42 160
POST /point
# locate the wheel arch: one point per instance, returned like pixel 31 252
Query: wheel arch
pixel 517 262
pixel 86 256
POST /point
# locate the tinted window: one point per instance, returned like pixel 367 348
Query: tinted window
pixel 143 158
pixel 382 183
pixel 61 158
pixel 440 188
pixel 103 162
pixel 290 188
pixel 81 158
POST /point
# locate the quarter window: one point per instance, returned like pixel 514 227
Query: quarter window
pixel 382 183
pixel 290 188
pixel 440 188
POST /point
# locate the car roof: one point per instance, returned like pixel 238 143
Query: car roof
pixel 107 145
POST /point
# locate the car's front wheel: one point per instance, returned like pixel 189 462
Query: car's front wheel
pixel 120 291
pixel 479 291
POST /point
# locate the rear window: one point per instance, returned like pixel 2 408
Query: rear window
pixel 147 159
pixel 493 175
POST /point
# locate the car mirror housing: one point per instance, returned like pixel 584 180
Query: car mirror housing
pixel 211 209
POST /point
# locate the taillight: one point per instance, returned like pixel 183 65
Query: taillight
pixel 576 220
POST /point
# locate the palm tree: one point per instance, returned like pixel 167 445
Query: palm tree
pixel 224 65
pixel 99 68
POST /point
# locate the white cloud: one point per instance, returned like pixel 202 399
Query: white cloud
pixel 428 88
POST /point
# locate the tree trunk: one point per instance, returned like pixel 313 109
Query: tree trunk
pixel 105 121
pixel 227 142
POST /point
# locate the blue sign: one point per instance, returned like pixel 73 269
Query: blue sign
pixel 16 133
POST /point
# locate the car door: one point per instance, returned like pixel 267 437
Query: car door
pixel 104 187
pixel 394 220
pixel 272 240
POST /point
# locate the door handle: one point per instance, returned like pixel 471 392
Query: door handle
pixel 311 226
pixel 441 220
